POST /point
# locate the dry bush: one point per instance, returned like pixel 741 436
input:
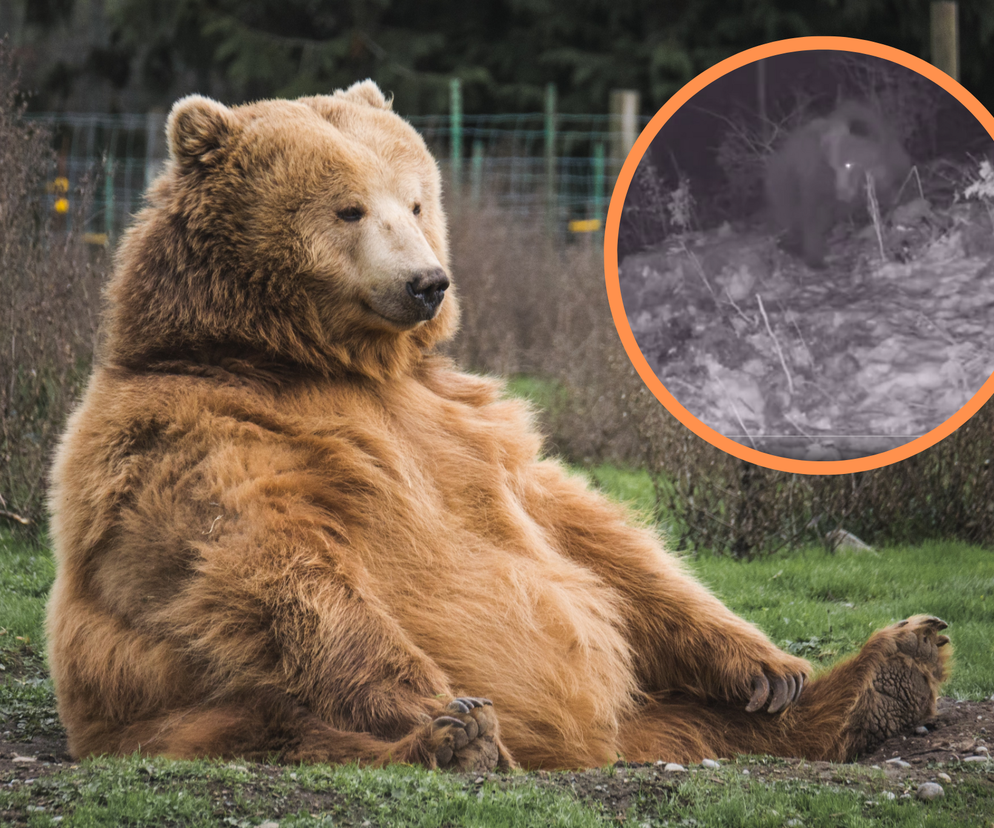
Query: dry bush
pixel 909 101
pixel 532 304
pixel 47 329
pixel 711 500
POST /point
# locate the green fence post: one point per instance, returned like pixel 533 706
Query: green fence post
pixel 109 197
pixel 455 133
pixel 599 185
pixel 476 172
pixel 550 157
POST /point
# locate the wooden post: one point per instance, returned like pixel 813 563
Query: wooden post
pixel 155 145
pixel 945 37
pixel 623 125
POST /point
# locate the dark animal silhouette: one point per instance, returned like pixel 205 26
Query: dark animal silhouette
pixel 818 175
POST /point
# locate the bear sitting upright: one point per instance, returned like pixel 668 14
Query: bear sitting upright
pixel 818 175
pixel 285 527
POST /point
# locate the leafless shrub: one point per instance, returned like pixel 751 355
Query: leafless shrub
pixel 532 304
pixel 908 101
pixel 51 282
pixel 747 143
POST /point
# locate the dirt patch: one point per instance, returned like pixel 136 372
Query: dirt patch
pixel 961 732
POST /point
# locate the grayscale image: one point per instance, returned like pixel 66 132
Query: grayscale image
pixel 806 255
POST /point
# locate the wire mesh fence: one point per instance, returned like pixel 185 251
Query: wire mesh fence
pixel 561 168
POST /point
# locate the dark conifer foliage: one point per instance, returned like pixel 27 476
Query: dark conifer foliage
pixel 133 55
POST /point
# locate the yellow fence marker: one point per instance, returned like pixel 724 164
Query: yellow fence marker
pixel 584 225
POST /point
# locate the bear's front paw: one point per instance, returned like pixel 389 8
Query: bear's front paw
pixel 774 692
pixel 465 738
pixel 777 683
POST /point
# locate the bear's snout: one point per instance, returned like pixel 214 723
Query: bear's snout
pixel 427 289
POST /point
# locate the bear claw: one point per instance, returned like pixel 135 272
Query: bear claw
pixel 783 691
pixel 466 736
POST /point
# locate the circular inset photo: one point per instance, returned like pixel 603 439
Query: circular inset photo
pixel 799 255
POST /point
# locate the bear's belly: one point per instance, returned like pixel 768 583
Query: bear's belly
pixel 523 626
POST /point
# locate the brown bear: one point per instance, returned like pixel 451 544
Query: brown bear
pixel 819 175
pixel 286 527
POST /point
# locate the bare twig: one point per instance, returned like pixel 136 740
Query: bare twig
pixel 776 344
pixel 16 518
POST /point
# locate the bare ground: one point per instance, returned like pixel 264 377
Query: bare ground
pixel 958 737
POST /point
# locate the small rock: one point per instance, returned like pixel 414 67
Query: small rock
pixel 889 795
pixel 269 824
pixel 981 750
pixel 745 771
pixel 921 730
pixel 710 763
pixel 793 823
pixel 479 780
pixel 24 760
pixel 945 777
pixel 673 767
pixel 898 762
pixel 928 791
pixel 976 758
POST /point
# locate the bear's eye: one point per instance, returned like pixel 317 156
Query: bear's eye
pixel 351 214
pixel 417 209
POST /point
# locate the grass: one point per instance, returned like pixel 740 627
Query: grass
pixel 137 792
pixel 841 803
pixel 822 606
pixel 818 605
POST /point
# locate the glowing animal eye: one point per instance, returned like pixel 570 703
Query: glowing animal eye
pixel 417 209
pixel 351 214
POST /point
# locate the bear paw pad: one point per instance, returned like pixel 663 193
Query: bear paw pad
pixel 465 739
pixel 908 663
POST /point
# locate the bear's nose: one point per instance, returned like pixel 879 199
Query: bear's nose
pixel 428 288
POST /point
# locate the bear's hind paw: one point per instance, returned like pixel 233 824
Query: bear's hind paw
pixel 907 663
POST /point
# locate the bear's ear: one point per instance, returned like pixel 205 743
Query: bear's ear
pixel 366 92
pixel 197 128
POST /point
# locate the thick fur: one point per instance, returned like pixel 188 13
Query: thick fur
pixel 284 527
pixel 818 175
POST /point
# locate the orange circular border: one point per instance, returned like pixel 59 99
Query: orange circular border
pixel 613 224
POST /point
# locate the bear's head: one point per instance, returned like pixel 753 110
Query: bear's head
pixel 858 145
pixel 303 234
